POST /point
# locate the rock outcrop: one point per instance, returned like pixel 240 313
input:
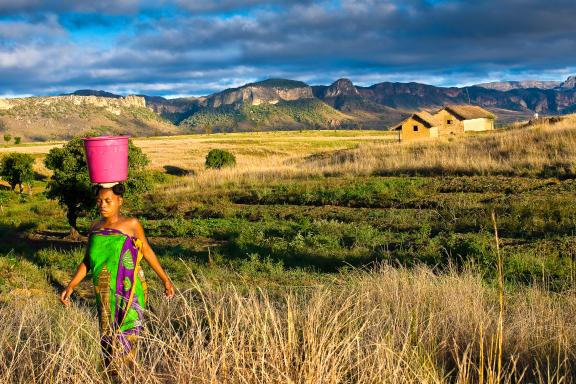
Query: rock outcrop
pixel 510 85
pixel 112 104
pixel 268 91
pixel 341 87
pixel 570 83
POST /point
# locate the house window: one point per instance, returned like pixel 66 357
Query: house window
pixel 448 121
pixel 415 128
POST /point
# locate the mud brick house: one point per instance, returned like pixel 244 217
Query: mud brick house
pixel 448 121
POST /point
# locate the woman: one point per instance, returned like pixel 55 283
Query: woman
pixel 116 245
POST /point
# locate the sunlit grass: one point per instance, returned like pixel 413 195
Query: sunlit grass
pixel 386 326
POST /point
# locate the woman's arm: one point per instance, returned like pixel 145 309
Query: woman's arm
pixel 80 274
pixel 78 277
pixel 152 260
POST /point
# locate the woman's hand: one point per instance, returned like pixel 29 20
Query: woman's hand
pixel 168 289
pixel 65 296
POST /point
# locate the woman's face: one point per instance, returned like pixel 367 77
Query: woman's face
pixel 108 203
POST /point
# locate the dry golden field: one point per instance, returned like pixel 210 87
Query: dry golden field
pixel 260 153
pixel 269 155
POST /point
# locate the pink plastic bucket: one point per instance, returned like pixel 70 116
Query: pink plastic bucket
pixel 107 158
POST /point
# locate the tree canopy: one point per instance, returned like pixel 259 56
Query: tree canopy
pixel 16 169
pixel 219 158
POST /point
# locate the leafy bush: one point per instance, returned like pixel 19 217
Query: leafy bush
pixel 7 137
pixel 16 168
pixel 17 140
pixel 70 183
pixel 219 158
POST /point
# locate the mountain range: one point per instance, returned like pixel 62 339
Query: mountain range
pixel 273 104
pixel 277 103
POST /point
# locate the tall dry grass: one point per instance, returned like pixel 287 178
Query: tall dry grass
pixel 542 149
pixel 385 326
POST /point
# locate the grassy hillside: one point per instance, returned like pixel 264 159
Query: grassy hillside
pixel 298 114
pixel 36 120
pixel 333 256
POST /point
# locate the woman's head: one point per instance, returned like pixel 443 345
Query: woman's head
pixel 109 200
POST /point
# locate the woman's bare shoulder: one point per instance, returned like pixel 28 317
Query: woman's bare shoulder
pixel 133 225
pixel 130 221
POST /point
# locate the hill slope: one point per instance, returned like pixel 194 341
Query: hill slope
pixel 63 117
pixel 292 114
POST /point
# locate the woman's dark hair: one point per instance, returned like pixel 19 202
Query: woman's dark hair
pixel 117 189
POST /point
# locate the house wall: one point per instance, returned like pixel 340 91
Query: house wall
pixel 482 124
pixel 456 127
pixel 408 133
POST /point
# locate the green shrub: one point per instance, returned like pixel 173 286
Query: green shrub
pixel 7 137
pixel 219 158
pixel 17 140
pixel 16 169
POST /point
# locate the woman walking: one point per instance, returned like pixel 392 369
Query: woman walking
pixel 116 246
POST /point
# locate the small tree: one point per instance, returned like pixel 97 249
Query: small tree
pixel 218 158
pixel 70 183
pixel 16 169
pixel 17 140
pixel 7 137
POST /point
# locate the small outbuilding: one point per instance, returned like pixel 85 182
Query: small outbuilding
pixel 420 125
pixel 457 119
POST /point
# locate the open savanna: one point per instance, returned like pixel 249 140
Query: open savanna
pixel 322 257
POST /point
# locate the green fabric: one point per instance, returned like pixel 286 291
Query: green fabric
pixel 104 251
pixel 104 255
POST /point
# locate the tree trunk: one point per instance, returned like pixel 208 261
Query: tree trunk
pixel 74 234
pixel 72 216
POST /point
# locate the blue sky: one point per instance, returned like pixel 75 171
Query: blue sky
pixel 178 47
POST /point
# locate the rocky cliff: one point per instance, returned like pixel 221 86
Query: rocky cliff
pixel 265 92
pixel 112 105
pixel 174 110
pixel 341 87
pixel 510 85
pixel 570 83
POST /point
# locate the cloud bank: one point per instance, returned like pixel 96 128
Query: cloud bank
pixel 177 47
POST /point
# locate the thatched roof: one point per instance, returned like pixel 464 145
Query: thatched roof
pixel 427 119
pixel 422 117
pixel 468 112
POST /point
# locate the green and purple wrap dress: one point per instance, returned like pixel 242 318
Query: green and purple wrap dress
pixel 114 258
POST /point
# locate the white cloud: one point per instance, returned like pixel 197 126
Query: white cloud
pixel 25 31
